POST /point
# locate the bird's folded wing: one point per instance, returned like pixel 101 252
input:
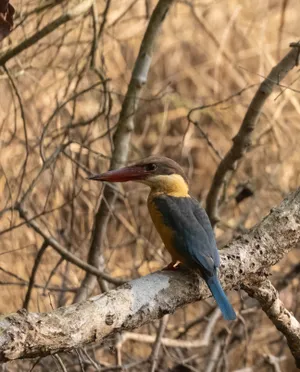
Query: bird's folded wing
pixel 192 237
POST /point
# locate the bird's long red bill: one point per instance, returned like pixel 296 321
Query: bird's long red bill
pixel 121 175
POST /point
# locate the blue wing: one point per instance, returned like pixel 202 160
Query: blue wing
pixel 203 219
pixel 194 240
pixel 193 235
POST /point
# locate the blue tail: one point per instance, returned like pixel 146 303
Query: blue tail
pixel 220 297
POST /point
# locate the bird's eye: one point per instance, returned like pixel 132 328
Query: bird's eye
pixel 150 167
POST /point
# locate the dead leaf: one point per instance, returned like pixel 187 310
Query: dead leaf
pixel 7 12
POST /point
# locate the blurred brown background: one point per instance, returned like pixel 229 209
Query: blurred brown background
pixel 207 52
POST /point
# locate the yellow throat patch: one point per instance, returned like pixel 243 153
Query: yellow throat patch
pixel 173 185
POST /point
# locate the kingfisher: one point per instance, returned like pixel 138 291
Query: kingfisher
pixel 181 222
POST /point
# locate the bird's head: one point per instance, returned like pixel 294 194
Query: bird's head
pixel 160 173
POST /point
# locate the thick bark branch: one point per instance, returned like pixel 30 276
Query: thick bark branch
pixel 143 300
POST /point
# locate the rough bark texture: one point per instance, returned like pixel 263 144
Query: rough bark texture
pixel 143 300
pixel 283 319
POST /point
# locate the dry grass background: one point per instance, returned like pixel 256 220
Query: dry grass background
pixel 207 52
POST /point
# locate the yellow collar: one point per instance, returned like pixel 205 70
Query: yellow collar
pixel 173 185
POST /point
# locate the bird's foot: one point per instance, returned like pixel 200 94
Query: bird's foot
pixel 173 266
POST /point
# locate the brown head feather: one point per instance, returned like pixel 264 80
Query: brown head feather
pixel 163 166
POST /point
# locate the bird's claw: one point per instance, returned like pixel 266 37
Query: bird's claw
pixel 173 266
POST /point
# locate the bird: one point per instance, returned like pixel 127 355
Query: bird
pixel 181 222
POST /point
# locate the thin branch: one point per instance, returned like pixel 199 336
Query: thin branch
pixel 169 342
pixel 60 362
pixel 97 31
pixel 204 107
pixel 33 273
pixel 158 342
pixel 215 354
pixel 288 278
pixel 284 5
pixel 51 289
pixel 67 255
pixel 18 94
pixel 275 361
pixel 53 271
pixel 46 164
pixel 70 14
pixel 95 34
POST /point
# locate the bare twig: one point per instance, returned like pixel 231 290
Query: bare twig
pixel 60 363
pixel 95 33
pixel 53 271
pixel 284 5
pixel 24 165
pixel 185 344
pixel 215 353
pixel 68 256
pixel 51 289
pixel 208 106
pixel 158 341
pixel 288 278
pixel 130 6
pixel 33 273
pixel 46 164
pixel 274 361
pixel 194 322
pixel 70 14
pixel 98 31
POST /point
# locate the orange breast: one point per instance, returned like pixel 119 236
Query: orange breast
pixel 164 231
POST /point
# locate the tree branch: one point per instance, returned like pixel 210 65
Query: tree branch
pixel 122 136
pixel 70 14
pixel 170 342
pixel 34 270
pixel 67 255
pixel 243 140
pixel 143 300
pixel 283 319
